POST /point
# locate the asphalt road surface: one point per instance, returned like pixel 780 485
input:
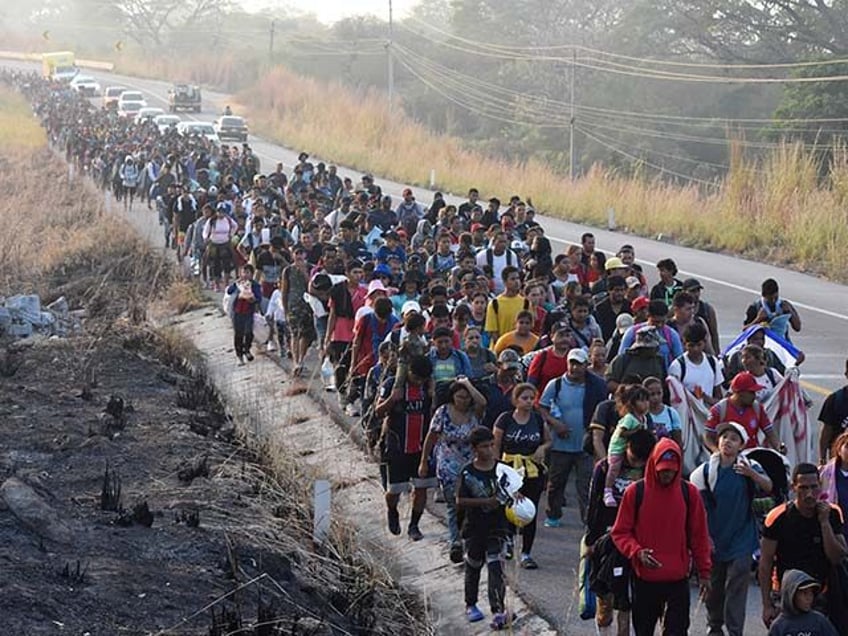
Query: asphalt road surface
pixel 730 283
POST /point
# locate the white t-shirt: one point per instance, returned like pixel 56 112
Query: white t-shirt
pixel 765 381
pixel 498 265
pixel 701 375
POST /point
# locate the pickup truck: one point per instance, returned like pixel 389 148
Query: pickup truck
pixel 184 97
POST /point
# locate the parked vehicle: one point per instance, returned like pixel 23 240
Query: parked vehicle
pixel 149 114
pixel 184 97
pixel 164 122
pixel 202 128
pixel 231 127
pixel 132 96
pixel 86 85
pixel 111 95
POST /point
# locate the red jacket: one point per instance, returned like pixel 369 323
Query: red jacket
pixel 661 525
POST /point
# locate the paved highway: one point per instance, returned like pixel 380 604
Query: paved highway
pixel 731 283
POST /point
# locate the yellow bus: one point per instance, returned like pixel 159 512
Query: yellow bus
pixel 60 65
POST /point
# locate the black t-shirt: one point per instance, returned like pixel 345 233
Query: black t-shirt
pixel 479 484
pixel 834 411
pixel 521 439
pixel 606 418
pixel 606 316
pixel 409 420
pixel 799 540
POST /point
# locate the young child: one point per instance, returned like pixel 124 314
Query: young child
pixel 798 591
pixel 665 419
pixel 632 403
pixel 482 527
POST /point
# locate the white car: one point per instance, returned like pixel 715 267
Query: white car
pixel 129 109
pixel 86 85
pixel 148 114
pixel 132 96
pixel 164 122
pixel 202 128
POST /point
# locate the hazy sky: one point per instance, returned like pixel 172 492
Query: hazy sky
pixel 329 11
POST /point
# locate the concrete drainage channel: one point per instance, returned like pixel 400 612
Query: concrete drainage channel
pixel 295 416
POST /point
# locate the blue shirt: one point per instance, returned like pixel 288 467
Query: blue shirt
pixel 569 403
pixel 731 522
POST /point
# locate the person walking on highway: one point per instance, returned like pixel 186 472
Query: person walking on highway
pixel 661 527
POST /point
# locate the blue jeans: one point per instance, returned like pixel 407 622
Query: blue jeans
pixel 449 490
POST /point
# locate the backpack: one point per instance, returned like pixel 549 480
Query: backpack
pixel 709 496
pixel 490 257
pixel 607 562
pixel 681 360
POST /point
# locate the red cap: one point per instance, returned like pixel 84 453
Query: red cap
pixel 407 191
pixel 744 381
pixel 640 303
pixel 669 460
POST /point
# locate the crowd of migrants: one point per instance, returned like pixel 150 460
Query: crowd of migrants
pixel 463 343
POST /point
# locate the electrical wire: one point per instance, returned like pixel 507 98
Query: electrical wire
pixel 681 175
pixel 648 61
pixel 626 70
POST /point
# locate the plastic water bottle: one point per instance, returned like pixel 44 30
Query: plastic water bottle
pixel 328 376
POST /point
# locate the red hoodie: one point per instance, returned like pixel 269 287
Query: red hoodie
pixel 662 526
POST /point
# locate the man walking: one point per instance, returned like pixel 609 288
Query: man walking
pixel 727 482
pixel 661 525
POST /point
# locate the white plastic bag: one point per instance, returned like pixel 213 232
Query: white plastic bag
pixel 261 331
pixel 328 375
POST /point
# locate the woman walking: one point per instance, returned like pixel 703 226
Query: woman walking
pixel 448 434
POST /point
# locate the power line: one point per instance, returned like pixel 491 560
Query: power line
pixel 495 47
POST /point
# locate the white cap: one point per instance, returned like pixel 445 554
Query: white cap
pixel 410 305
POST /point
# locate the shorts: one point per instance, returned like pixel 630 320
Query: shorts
pixel 301 323
pixel 399 474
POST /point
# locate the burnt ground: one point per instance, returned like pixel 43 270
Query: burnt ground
pixel 214 521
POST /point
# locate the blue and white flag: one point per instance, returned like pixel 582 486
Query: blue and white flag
pixel 786 352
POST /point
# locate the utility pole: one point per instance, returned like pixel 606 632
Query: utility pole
pixel 571 169
pixel 271 41
pixel 391 66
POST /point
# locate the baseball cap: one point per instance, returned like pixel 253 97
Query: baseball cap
pixel 669 460
pixel 632 281
pixel 640 303
pixel 578 355
pixel 623 322
pixel 614 262
pixel 691 284
pixel 408 306
pixel 510 359
pixel 736 428
pixel 646 336
pixel 745 381
pixel 375 286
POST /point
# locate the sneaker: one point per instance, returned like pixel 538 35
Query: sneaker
pixel 249 356
pixel 500 621
pixel 609 498
pixel 414 533
pixel 270 347
pixel 528 563
pixel 240 360
pixel 473 614
pixel 550 522
pixel 455 553
pixel 439 496
pixel 393 517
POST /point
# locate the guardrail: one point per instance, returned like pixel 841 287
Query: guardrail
pixel 36 57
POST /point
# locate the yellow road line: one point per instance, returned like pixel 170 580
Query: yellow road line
pixel 815 388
